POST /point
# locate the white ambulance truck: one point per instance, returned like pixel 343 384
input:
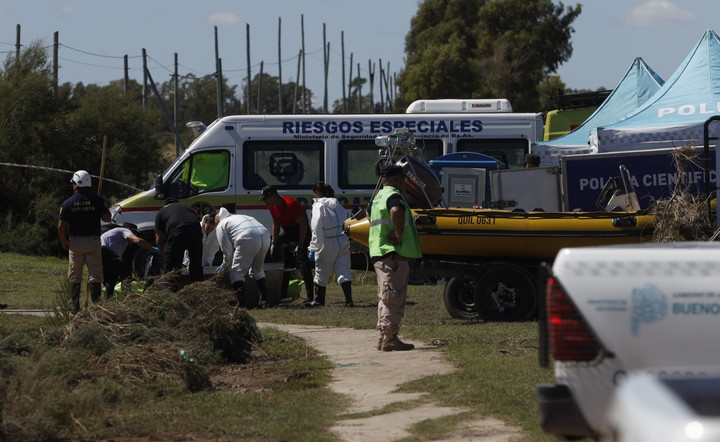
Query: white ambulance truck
pixel 230 161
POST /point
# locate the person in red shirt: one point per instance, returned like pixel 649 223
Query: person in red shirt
pixel 290 237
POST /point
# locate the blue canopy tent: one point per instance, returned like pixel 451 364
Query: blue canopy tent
pixel 637 85
pixel 675 115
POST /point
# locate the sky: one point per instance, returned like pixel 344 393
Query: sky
pixel 94 36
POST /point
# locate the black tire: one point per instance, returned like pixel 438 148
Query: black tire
pixel 146 263
pixel 505 293
pixel 460 299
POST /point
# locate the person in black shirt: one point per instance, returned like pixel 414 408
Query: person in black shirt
pixel 80 217
pixel 177 229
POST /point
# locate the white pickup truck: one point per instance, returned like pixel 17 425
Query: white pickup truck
pixel 614 310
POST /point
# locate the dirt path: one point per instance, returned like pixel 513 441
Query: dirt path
pixel 370 377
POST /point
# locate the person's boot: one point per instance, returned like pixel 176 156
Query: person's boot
pixel 320 295
pixel 75 295
pixel 393 343
pixel 95 291
pixel 309 295
pixel 347 290
pixel 262 293
pixel 109 290
pixel 380 341
pixel 239 289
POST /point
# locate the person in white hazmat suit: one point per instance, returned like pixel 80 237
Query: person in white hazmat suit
pixel 210 241
pixel 244 242
pixel 329 246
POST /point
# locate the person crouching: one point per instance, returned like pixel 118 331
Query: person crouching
pixel 244 242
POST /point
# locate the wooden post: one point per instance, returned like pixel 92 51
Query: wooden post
pixel 359 90
pixel 280 94
pixel 342 50
pixel 260 79
pixel 56 46
pixel 102 165
pixel 302 37
pixel 219 77
pixel 127 74
pixel 325 70
pixel 350 80
pixel 371 76
pixel 297 82
pixel 144 88
pixel 17 43
pixel 380 82
pixel 175 103
pixel 249 78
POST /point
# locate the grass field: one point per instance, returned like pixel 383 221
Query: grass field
pixel 497 361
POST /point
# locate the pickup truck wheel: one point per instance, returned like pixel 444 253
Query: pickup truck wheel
pixel 459 297
pixel 505 293
pixel 146 263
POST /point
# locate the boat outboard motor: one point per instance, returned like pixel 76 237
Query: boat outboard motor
pixel 423 190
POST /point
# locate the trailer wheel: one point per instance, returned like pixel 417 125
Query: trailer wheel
pixel 146 263
pixel 459 297
pixel 505 293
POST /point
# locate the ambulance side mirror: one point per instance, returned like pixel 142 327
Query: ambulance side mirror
pixel 159 188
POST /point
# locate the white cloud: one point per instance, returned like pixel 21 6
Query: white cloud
pixel 67 9
pixel 223 18
pixel 658 14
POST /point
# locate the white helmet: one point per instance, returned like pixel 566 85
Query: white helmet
pixel 81 178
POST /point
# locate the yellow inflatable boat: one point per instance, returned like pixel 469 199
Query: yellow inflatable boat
pixel 485 233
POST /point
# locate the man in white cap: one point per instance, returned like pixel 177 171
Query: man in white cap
pixel 80 216
pixel 244 242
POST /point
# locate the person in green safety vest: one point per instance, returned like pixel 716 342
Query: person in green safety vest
pixel 393 242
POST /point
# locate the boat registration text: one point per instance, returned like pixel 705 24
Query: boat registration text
pixel 463 220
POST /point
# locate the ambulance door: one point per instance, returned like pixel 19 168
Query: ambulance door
pixel 204 181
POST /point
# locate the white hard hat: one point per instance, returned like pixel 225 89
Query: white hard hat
pixel 81 178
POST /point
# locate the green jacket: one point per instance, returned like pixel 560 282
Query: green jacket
pixel 381 226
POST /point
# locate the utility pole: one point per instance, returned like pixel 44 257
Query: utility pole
pixel 342 50
pixel 325 70
pixel 17 43
pixel 249 79
pixel 302 35
pixel 145 79
pixel 350 80
pixel 371 76
pixel 175 104
pixel 382 97
pixel 297 81
pixel 259 100
pixel 127 74
pixel 219 77
pixel 359 86
pixel 56 47
pixel 280 91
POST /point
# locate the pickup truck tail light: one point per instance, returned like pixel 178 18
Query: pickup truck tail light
pixel 570 337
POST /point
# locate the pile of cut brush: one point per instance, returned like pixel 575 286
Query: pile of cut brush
pixel 146 344
pixel 685 215
pixel 159 333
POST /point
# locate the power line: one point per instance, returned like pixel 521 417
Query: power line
pixel 96 55
pixel 92 65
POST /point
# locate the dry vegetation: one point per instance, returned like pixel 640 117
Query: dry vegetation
pixel 684 216
pixel 126 354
